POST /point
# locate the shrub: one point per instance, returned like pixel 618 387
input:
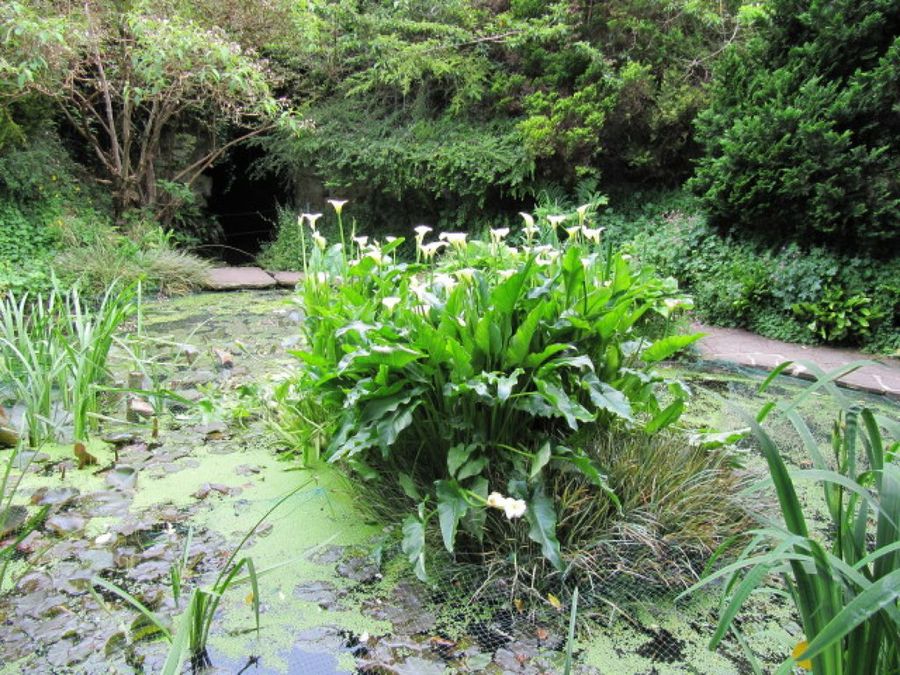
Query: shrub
pixel 98 255
pixel 457 388
pixel 800 137
pixel 837 316
pixel 741 283
pixel 283 252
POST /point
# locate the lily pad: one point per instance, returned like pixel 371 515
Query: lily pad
pixel 12 519
pixel 122 477
pixel 54 496
pixel 65 523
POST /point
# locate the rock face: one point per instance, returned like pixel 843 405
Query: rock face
pixel 233 278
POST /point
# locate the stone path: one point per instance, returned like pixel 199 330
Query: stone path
pixel 236 278
pixel 734 345
pixel 731 345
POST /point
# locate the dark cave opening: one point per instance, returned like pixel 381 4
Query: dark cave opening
pixel 244 204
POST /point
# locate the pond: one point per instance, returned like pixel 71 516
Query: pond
pixel 331 598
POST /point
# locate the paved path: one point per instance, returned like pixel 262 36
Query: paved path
pixel 731 345
pixel 739 346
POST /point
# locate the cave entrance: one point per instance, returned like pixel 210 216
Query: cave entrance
pixel 245 205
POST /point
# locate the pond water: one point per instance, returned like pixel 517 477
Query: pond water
pixel 326 604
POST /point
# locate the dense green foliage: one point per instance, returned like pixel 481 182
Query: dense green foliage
pixel 449 108
pixel 54 353
pixel 131 79
pixel 454 384
pixel 801 135
pixel 459 114
pixel 793 292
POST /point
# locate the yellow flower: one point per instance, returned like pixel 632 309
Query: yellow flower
pixel 806 664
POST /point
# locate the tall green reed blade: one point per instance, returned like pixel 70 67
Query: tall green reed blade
pixel 88 337
pixel 846 597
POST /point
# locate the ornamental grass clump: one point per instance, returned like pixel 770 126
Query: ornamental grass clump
pixel 456 386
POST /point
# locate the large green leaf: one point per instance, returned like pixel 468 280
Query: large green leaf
pixel 458 455
pixel 395 356
pixel 520 343
pixel 563 406
pixel 606 397
pixel 535 360
pixel 542 517
pixel 473 467
pixel 666 347
pixel 507 294
pixel 452 506
pixel 540 460
pixel 572 271
pixel 413 545
pixel 609 322
pixel 665 417
pixel 408 486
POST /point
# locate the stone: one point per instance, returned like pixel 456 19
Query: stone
pixel 138 407
pixel 287 279
pixel 232 278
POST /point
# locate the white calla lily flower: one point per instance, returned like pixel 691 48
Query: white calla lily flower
pixel 497 235
pixel 455 239
pixel 337 204
pixel 431 250
pixel 556 220
pixel 592 233
pixel 514 508
pixel 311 219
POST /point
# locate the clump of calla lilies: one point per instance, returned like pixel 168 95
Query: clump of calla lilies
pixel 451 385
